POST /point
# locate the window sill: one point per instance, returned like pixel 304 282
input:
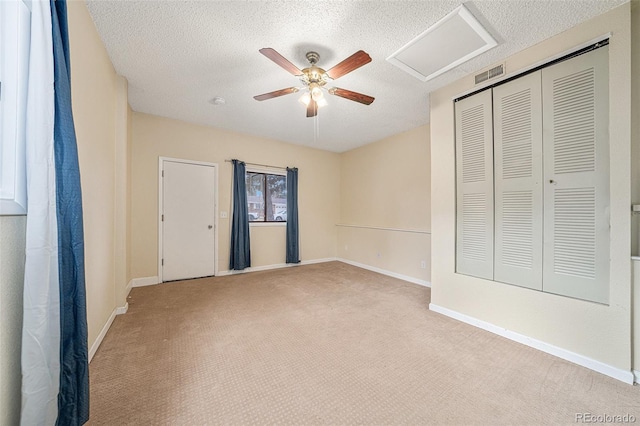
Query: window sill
pixel 266 224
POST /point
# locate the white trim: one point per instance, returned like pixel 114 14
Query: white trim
pixel 636 375
pixel 144 281
pixel 314 261
pixel 117 311
pixel 276 266
pixel 215 166
pixel 413 231
pixel 387 273
pixel 15 39
pixel 493 82
pixel 103 332
pixel 265 170
pixel 329 259
pixel 606 369
pixel 127 289
pixel 282 224
pixel 120 310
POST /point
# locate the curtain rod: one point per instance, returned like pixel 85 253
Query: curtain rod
pixel 259 165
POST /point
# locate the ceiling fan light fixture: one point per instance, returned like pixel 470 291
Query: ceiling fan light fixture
pixel 321 102
pixel 316 91
pixel 305 99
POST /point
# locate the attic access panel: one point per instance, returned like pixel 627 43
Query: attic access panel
pixel 451 41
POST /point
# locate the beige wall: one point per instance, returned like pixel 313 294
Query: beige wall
pixel 129 153
pixel 121 191
pixel 97 96
pixel 635 169
pixel 635 122
pixel 599 332
pixel 12 252
pixel 318 189
pixel 387 185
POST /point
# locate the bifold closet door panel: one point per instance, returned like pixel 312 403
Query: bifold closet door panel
pixel 474 185
pixel 517 109
pixel 575 97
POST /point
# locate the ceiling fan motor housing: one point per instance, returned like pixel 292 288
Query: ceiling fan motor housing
pixel 314 75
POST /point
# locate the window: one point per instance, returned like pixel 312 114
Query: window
pixel 14 62
pixel 266 197
pixel 532 177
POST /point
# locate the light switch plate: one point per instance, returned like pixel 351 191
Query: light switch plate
pixel 223 215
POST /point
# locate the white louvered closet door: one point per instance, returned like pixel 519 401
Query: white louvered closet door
pixel 474 186
pixel 517 131
pixel 576 171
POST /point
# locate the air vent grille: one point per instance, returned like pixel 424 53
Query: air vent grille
pixel 489 74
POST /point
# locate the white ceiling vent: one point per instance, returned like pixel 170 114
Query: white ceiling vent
pixel 489 74
pixel 454 39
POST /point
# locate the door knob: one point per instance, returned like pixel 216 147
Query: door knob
pixel 210 226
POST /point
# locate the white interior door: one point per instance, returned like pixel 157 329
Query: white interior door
pixel 188 220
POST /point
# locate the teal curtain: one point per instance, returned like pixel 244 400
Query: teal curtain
pixel 293 237
pixel 73 397
pixel 240 254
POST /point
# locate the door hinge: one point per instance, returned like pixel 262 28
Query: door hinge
pixel 162 220
pixel 162 262
pixel 163 173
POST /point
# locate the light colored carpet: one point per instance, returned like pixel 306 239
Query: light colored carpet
pixel 326 344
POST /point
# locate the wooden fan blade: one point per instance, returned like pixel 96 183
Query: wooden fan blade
pixel 275 94
pixel 353 62
pixel 280 60
pixel 312 108
pixel 352 96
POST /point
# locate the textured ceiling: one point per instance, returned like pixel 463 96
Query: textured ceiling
pixel 178 55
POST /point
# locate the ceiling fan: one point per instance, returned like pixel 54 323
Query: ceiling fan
pixel 315 78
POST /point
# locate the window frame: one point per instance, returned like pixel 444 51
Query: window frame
pixel 15 20
pixel 266 172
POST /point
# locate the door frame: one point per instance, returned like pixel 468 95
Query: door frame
pixel 161 161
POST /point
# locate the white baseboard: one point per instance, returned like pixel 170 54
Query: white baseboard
pixel 329 259
pixel 314 261
pixel 103 332
pixel 144 281
pixel 117 311
pixel 388 273
pixel 636 375
pixel 276 266
pixel 122 309
pixel 606 369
